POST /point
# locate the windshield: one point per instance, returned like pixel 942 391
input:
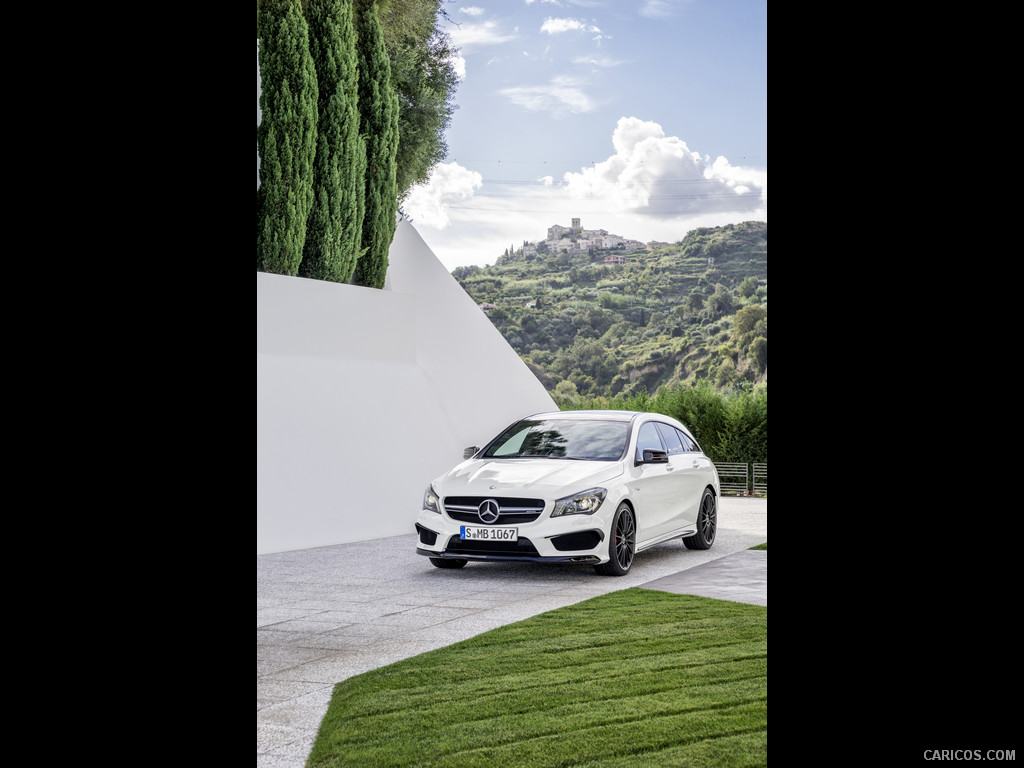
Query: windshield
pixel 562 439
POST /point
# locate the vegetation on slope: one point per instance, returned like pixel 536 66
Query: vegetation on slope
pixel 678 314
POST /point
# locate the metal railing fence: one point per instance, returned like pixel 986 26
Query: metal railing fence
pixel 736 478
pixel 760 479
pixel 733 478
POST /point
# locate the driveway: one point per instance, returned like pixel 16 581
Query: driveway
pixel 326 614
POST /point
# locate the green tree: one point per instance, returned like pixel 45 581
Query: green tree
pixel 747 319
pixel 285 137
pixel 720 303
pixel 423 75
pixel 744 431
pixel 748 287
pixel 378 107
pixel 566 395
pixel 726 373
pixel 334 230
pixel 759 353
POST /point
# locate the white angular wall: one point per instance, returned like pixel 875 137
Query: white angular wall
pixel 364 396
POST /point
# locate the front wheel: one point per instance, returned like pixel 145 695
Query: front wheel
pixel 448 562
pixel 707 523
pixel 621 543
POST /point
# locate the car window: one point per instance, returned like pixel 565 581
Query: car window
pixel 648 440
pixel 689 446
pixel 562 439
pixel 510 445
pixel 671 437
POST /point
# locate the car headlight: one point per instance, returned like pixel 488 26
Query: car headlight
pixel 431 501
pixel 584 503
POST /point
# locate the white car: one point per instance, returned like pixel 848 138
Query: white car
pixel 573 487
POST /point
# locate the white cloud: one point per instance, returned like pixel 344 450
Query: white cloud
pixel 448 182
pixel 561 96
pixel 555 26
pixel 472 11
pixel 476 35
pixel 558 26
pixel 652 173
pixel 459 65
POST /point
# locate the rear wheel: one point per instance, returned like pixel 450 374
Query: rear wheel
pixel 448 562
pixel 621 543
pixel 707 523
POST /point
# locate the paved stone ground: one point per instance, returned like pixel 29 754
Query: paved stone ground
pixel 741 577
pixel 326 614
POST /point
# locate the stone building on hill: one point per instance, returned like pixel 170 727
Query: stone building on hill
pixel 575 239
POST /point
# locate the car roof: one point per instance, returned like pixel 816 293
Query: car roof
pixel 584 415
pixel 598 415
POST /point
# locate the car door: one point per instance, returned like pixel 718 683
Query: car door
pixel 656 496
pixel 688 479
pixel 698 472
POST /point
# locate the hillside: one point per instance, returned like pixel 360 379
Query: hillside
pixel 696 309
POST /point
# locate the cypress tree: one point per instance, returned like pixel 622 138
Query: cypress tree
pixel 334 230
pixel 286 136
pixel 378 108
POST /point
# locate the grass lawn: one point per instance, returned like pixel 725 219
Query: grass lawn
pixel 633 678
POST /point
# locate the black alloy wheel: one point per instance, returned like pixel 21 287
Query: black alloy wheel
pixel 621 544
pixel 707 523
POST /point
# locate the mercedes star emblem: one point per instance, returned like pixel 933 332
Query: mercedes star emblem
pixel 488 511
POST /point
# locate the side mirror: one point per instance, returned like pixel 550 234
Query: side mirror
pixel 655 457
pixel 470 452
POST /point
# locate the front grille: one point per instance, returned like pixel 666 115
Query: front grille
pixel 464 509
pixel 521 548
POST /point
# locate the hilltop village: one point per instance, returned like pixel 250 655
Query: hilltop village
pixel 569 244
pixel 577 240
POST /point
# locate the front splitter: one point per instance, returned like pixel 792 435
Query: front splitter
pixel 593 559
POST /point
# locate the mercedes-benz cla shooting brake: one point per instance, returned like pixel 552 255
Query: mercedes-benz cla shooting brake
pixel 573 487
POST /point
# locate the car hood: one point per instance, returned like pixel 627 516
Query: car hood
pixel 550 478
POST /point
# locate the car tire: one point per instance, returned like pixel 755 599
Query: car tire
pixel 621 543
pixel 448 562
pixel 707 523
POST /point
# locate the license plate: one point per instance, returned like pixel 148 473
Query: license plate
pixel 490 534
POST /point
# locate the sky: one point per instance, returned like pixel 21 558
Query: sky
pixel 646 119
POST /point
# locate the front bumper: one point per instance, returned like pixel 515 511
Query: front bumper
pixel 569 539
